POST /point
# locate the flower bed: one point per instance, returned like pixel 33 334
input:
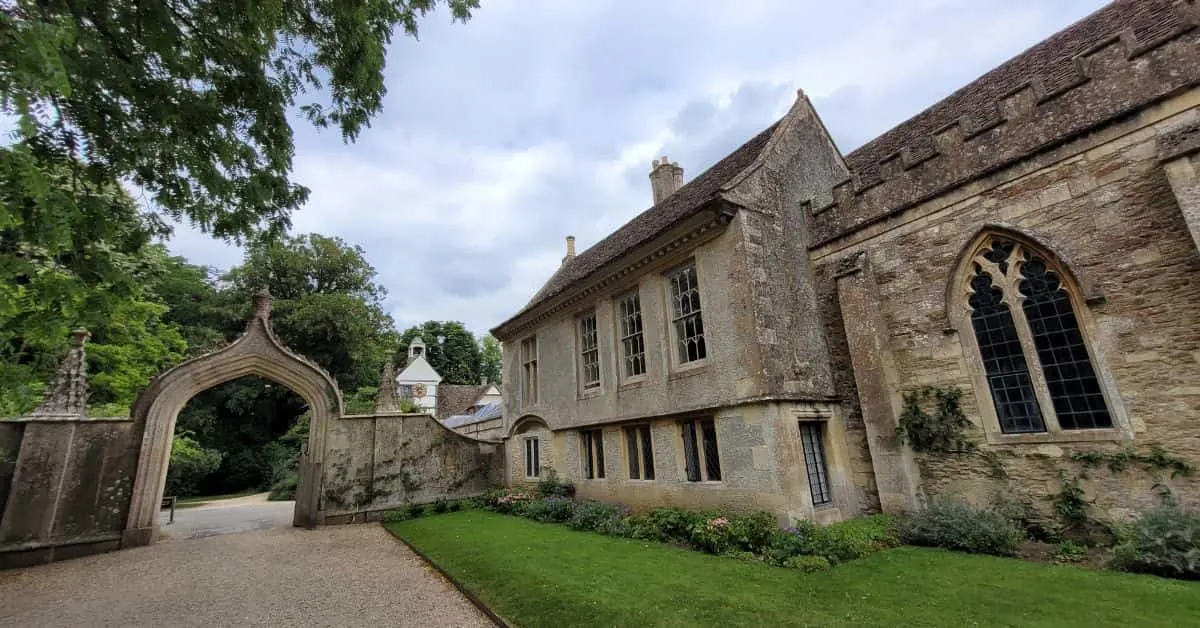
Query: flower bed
pixel 753 537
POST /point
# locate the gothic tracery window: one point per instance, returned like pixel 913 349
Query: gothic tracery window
pixel 1034 354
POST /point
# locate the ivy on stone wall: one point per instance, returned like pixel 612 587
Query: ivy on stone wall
pixel 932 420
pixel 1156 459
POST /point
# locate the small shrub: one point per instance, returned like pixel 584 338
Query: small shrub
pixel 1070 552
pixel 957 526
pixel 285 489
pixel 751 532
pixel 441 506
pixel 785 544
pixel 594 516
pixel 854 538
pixel 551 486
pixel 398 514
pixel 416 511
pixel 745 557
pixel 712 535
pixel 503 501
pixel 1164 541
pixel 672 524
pixel 455 506
pixel 807 564
pixel 549 509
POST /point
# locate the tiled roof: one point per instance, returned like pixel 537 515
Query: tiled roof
pixel 456 399
pixel 1055 89
pixel 684 203
pixel 1053 60
pixel 486 413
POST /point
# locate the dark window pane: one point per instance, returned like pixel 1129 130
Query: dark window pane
pixel 647 453
pixel 712 460
pixel 1074 388
pixel 1003 358
pixel 691 454
pixel 631 446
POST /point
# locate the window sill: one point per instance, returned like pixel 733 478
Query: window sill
pixel 1065 436
pixel 590 393
pixel 708 483
pixel 633 382
pixel 690 369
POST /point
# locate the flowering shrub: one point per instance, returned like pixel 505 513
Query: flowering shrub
pixel 597 517
pixel 549 509
pixel 505 501
pixel 751 532
pixel 551 486
pixel 712 536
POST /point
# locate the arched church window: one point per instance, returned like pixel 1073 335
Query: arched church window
pixel 1035 357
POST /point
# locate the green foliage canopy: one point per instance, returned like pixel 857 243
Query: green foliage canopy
pixel 188 99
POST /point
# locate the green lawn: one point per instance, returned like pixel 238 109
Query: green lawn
pixel 535 574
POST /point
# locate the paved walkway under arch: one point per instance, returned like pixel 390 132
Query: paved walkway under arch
pixel 355 575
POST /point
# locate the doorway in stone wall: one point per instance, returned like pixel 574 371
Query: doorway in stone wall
pixel 257 352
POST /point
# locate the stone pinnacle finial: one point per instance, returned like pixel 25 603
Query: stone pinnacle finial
pixel 261 304
pixel 67 396
pixel 386 399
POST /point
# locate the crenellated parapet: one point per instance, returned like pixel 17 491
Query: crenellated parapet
pixel 1126 57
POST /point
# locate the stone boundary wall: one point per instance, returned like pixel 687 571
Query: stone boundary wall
pixel 381 461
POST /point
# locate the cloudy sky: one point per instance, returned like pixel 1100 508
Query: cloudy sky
pixel 539 118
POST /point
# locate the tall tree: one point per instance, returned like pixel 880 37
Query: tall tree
pixel 492 368
pixel 75 252
pixel 189 99
pixel 450 349
pixel 327 305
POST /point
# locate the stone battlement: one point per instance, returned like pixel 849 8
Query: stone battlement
pixel 1123 58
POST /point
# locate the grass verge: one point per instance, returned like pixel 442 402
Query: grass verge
pixel 192 502
pixel 535 574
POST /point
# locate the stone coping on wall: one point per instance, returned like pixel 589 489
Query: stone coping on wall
pixel 66 419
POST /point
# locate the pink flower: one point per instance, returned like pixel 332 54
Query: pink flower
pixel 719 522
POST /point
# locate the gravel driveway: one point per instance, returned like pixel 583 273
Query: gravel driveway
pixel 353 575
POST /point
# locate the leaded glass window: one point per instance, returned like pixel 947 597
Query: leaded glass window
pixel 641 454
pixel 1035 358
pixel 702 460
pixel 633 346
pixel 593 454
pixel 685 315
pixel 529 371
pixel 589 351
pixel 811 439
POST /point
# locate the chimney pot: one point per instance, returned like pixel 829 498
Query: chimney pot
pixel 665 179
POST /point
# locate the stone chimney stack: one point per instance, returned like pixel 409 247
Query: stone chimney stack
pixel 570 250
pixel 665 178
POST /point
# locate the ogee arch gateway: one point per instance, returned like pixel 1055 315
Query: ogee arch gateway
pixel 256 352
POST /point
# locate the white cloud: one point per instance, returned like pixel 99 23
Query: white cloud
pixel 539 118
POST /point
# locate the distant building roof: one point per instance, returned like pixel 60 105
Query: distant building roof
pixel 457 399
pixel 486 413
pixel 418 370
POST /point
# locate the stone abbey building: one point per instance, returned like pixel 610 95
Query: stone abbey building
pixel 1031 242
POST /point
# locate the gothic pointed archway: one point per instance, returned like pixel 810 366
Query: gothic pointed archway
pixel 256 352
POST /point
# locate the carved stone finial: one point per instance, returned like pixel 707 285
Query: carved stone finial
pixel 67 396
pixel 261 304
pixel 386 399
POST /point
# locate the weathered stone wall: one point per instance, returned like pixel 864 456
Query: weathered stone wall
pixel 731 371
pixel 761 459
pixel 1102 205
pixel 70 489
pixel 376 462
